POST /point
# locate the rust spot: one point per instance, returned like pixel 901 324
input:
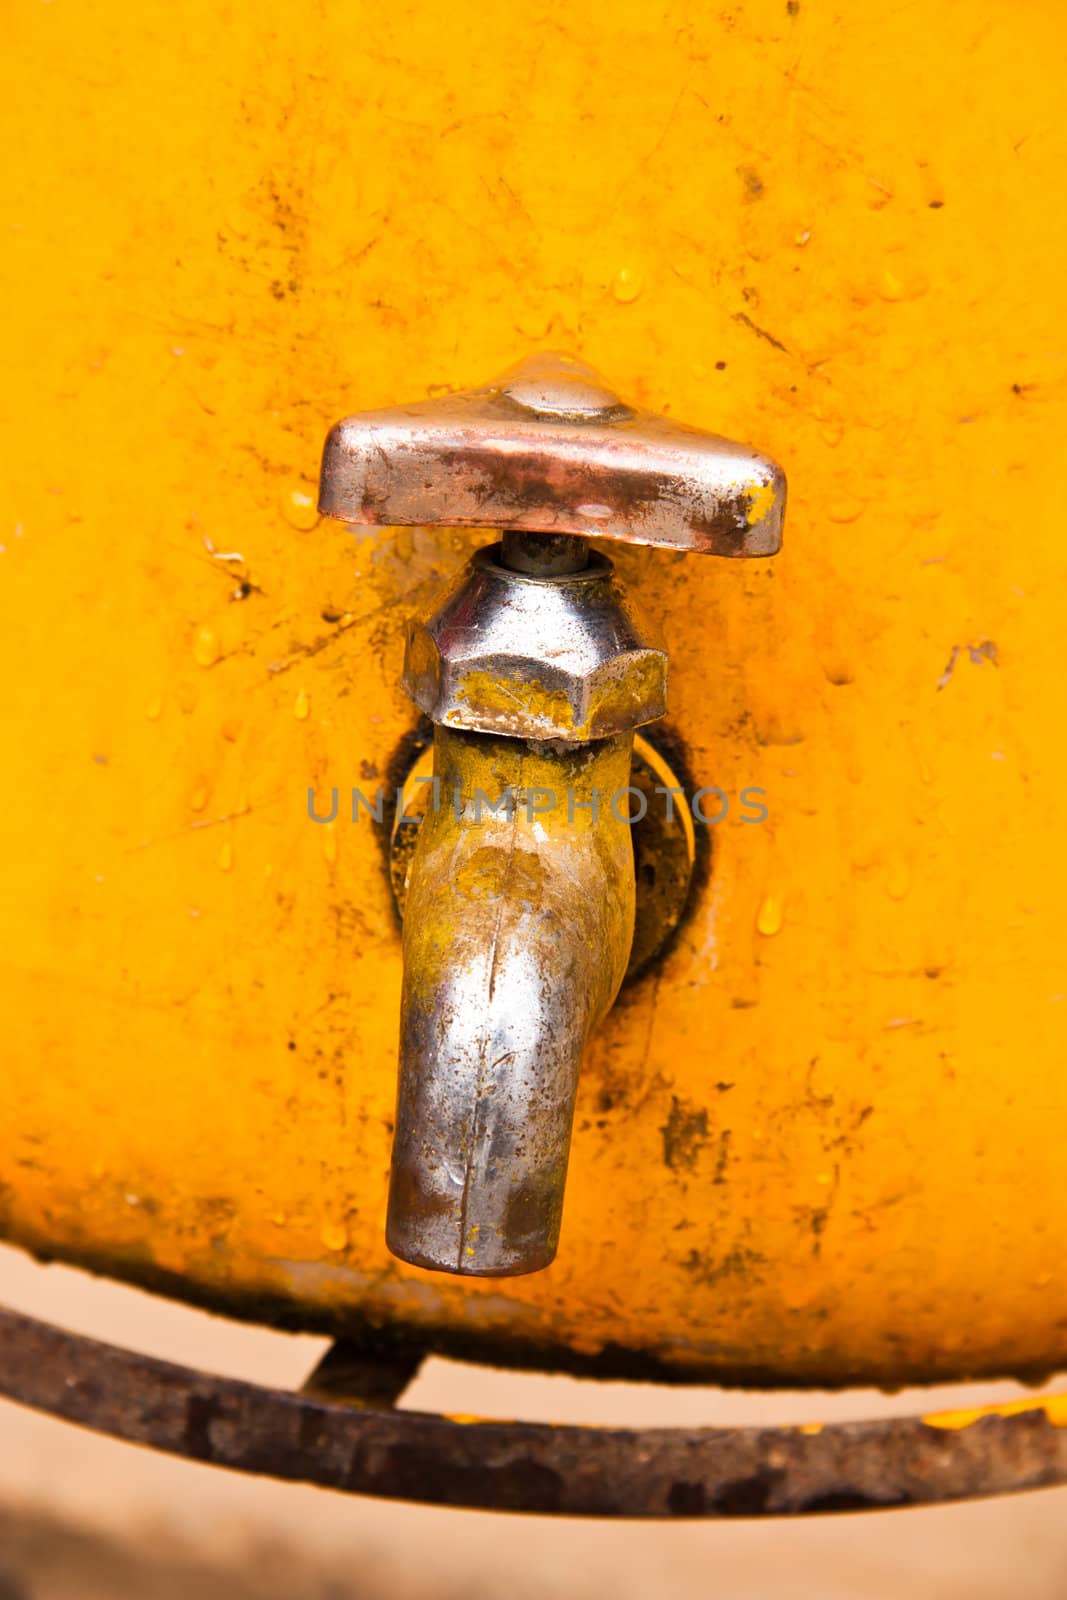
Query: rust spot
pixel 753 183
pixel 747 1497
pixel 686 1500
pixel 738 1263
pixel 723 1157
pixel 684 1133
pixel 491 872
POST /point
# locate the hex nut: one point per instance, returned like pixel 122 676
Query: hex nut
pixel 536 658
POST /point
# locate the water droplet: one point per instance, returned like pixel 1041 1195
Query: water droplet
pixel 301 705
pixel 802 237
pixel 199 797
pixel 279 1219
pixel 891 287
pixel 205 648
pixel 769 917
pixel 334 1236
pixel 226 856
pixel 153 708
pixel 300 508
pixel 628 284
pixel 329 842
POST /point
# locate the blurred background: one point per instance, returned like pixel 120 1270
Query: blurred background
pixel 86 1518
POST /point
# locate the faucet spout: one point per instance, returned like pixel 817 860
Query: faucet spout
pixel 517 931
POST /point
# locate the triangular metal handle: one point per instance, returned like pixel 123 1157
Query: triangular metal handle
pixel 550 448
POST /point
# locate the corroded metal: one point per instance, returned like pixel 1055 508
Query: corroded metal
pixel 534 656
pixel 530 1466
pixel 517 933
pixel 350 1375
pixel 548 446
pixel 543 555
pixel 661 830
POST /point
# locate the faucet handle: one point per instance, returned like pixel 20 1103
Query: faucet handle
pixel 549 448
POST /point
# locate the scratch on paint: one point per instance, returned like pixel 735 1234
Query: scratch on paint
pixel 761 333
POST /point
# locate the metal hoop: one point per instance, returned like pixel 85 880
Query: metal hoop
pixel 530 1466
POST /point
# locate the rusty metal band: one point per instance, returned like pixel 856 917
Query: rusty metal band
pixel 526 1466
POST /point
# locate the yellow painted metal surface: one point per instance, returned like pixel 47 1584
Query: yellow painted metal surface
pixel 825 1140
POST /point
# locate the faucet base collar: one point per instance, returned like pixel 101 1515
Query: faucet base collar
pixel 564 657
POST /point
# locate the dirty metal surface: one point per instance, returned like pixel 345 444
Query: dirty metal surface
pixel 562 657
pixel 526 1466
pixel 665 844
pixel 520 918
pixel 549 447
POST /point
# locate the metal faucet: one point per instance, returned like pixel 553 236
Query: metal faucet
pixel 536 669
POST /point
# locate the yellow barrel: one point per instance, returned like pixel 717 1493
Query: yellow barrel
pixel 822 1141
